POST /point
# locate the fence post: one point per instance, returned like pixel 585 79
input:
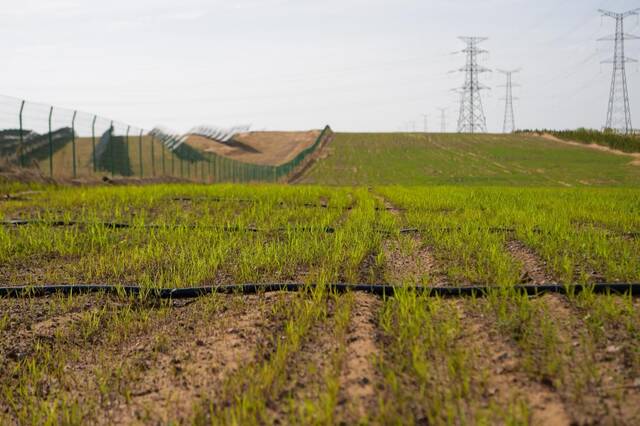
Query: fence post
pixel 73 142
pixel 21 137
pixel 50 144
pixel 162 150
pixel 111 147
pixel 93 143
pixel 153 157
pixel 140 151
pixel 126 139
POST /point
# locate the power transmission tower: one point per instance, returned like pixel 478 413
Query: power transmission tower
pixel 618 112
pixel 426 122
pixel 443 120
pixel 509 125
pixel 472 118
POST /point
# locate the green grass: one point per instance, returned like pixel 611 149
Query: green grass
pixel 467 160
pixel 593 240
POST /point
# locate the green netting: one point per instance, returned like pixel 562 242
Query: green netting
pixel 67 144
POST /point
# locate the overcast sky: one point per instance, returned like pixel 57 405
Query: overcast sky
pixel 365 65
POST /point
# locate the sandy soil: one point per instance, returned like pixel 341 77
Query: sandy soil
pixel 358 379
pixel 266 148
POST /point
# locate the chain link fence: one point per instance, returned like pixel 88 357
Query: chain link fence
pixel 65 144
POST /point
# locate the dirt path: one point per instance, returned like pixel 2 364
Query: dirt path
pixel 359 376
pixel 534 270
pixel 634 156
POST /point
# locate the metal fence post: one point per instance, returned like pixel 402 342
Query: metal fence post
pixel 21 137
pixel 111 147
pixel 153 157
pixel 162 150
pixel 93 143
pixel 140 151
pixel 126 138
pixel 73 143
pixel 50 144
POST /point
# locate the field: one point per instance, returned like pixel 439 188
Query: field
pixel 318 356
pixel 451 159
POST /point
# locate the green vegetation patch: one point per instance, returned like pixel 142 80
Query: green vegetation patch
pixel 477 160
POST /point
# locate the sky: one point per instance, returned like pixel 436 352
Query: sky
pixel 358 65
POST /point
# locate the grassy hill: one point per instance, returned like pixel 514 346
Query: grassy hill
pixel 453 159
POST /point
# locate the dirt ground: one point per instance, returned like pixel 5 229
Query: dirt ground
pixel 266 148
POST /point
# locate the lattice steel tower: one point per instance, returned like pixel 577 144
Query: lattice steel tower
pixel 618 112
pixel 443 120
pixel 472 118
pixel 509 125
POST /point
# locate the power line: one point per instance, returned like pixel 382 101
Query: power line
pixel 618 111
pixel 472 118
pixel 509 125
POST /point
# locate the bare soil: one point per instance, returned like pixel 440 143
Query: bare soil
pixel 265 148
pixel 192 358
pixel 419 266
pixel 534 270
pixel 506 382
pixel 359 378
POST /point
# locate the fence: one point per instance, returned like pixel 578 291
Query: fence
pixel 66 144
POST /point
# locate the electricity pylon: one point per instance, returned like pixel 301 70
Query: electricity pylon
pixel 472 118
pixel 443 120
pixel 618 111
pixel 426 122
pixel 509 125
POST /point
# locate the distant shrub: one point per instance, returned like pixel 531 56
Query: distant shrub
pixel 621 142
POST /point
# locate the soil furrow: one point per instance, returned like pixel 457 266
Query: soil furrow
pixel 408 259
pixel 188 358
pixel 613 392
pixel 308 371
pixel 534 270
pixel 359 376
pixel 506 383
